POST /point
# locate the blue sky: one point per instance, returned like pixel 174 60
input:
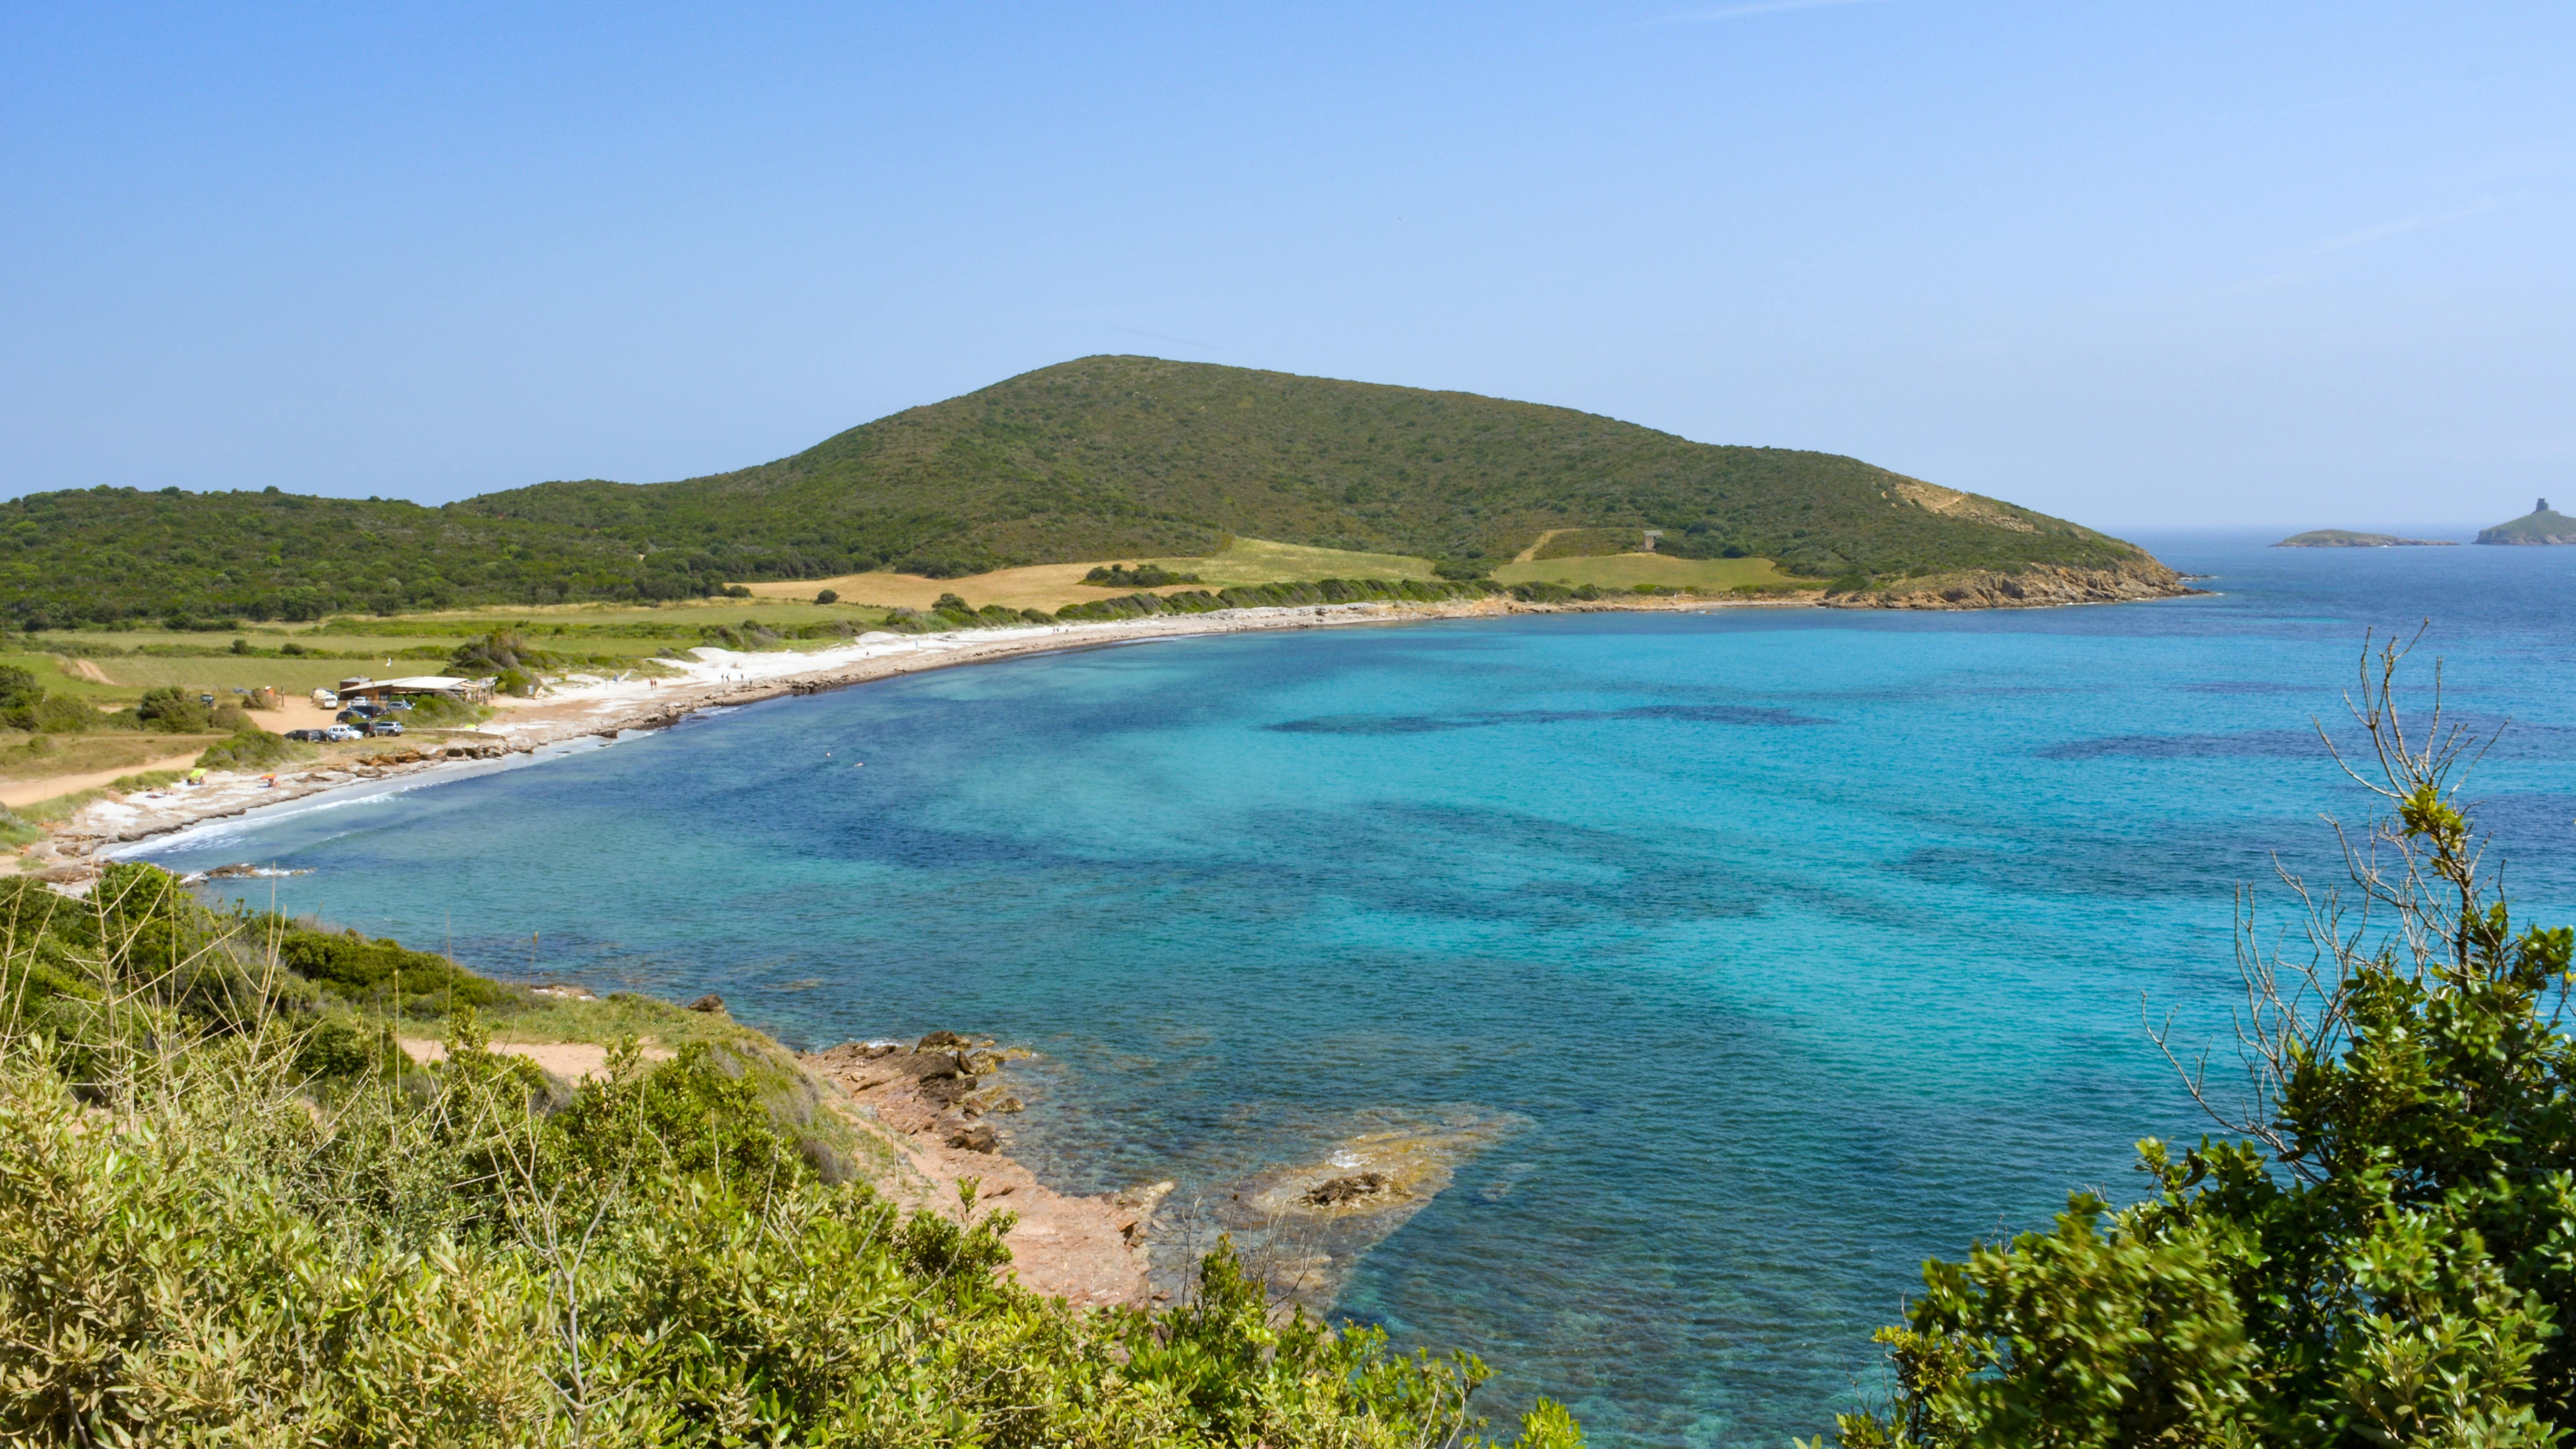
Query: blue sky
pixel 2146 266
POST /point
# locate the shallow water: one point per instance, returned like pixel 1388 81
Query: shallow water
pixel 1794 946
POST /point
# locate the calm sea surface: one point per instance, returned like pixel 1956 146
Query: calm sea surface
pixel 1791 947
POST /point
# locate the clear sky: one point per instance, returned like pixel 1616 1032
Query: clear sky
pixel 2147 266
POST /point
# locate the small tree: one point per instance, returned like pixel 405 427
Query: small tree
pixel 2384 1252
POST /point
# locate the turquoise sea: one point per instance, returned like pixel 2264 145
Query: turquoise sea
pixel 1781 949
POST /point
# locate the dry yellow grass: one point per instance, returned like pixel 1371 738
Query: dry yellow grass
pixel 1627 570
pixel 1052 586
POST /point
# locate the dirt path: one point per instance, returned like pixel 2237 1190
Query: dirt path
pixel 1530 554
pixel 28 792
pixel 570 1060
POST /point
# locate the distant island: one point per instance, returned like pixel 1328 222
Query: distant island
pixel 2346 538
pixel 2541 525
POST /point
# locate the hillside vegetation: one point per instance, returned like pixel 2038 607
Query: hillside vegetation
pixel 234 1211
pixel 1089 461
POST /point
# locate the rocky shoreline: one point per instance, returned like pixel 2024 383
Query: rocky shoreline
pixel 1301 1223
pixel 933 1102
pixel 2037 586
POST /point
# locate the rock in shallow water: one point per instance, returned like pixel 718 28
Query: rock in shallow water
pixel 1344 1191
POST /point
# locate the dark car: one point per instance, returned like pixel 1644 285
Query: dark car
pixel 384 727
pixel 358 714
pixel 310 737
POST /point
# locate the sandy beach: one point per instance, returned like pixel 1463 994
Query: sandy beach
pixel 583 708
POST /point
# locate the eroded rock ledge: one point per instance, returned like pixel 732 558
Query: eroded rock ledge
pixel 935 1100
pixel 2036 586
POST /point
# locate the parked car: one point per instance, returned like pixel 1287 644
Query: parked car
pixel 342 732
pixel 384 727
pixel 358 714
pixel 310 737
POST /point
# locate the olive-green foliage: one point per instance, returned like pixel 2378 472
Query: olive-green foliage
pixel 1136 576
pixel 382 972
pixel 1256 596
pixel 252 748
pixel 2384 1253
pixel 500 650
pixel 106 554
pixel 172 710
pixel 1104 457
pixel 1110 456
pixel 24 705
pixel 283 1233
pixel 59 715
pixel 438 712
pixel 951 612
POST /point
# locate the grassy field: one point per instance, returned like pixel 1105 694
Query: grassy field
pixel 1627 570
pixel 115 667
pixel 1052 586
pixel 1259 561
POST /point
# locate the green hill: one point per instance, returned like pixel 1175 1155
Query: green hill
pixel 1094 459
pixel 2542 524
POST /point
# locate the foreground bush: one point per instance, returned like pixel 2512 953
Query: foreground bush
pixel 2382 1253
pixel 230 1212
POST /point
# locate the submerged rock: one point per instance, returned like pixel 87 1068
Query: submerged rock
pixel 1303 1223
pixel 1344 1191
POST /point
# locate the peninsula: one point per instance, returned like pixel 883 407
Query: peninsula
pixel 1086 464
pixel 2346 538
pixel 2542 524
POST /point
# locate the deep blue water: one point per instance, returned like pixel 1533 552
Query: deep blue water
pixel 1805 944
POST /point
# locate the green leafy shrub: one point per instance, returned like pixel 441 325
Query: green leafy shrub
pixel 171 710
pixel 250 749
pixel 502 651
pixel 1136 576
pixel 439 712
pixel 383 972
pixel 62 715
pixel 2382 1250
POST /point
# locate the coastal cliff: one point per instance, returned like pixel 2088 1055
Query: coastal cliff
pixel 2032 587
